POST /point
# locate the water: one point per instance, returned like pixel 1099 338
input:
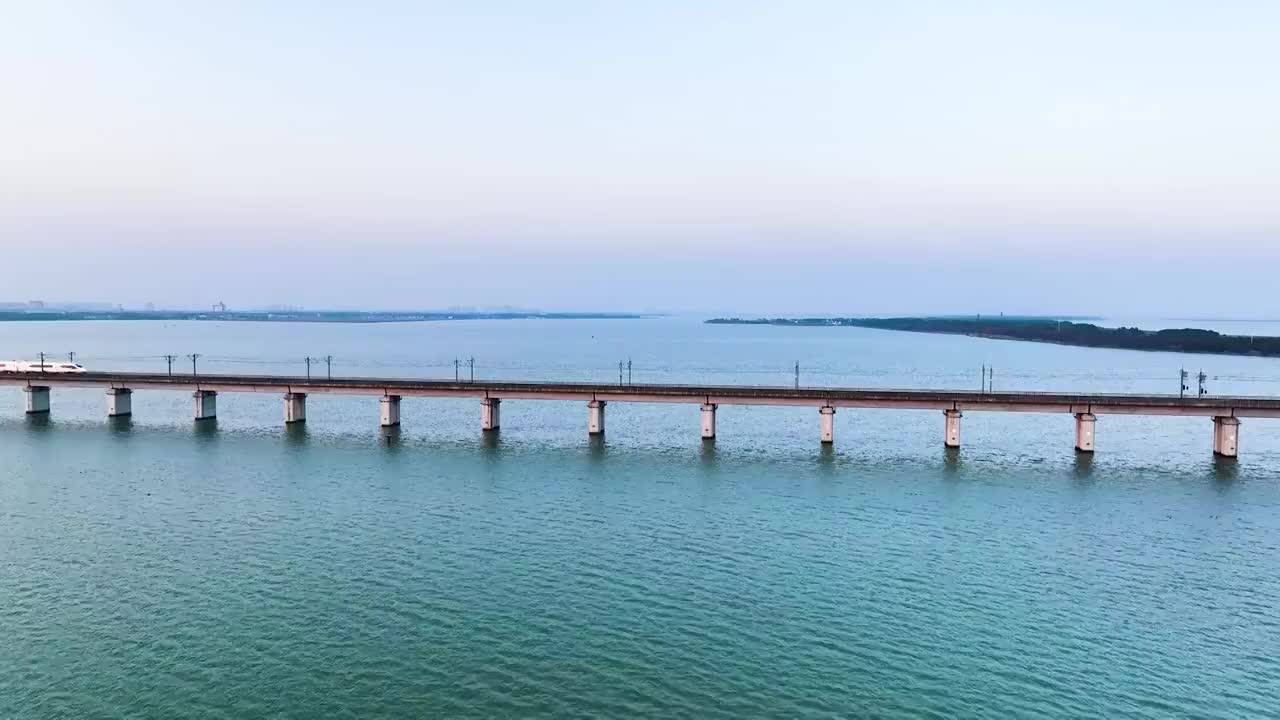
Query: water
pixel 152 569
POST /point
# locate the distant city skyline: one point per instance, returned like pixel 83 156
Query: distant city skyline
pixel 748 158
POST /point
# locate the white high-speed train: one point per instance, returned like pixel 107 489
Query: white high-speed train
pixel 49 366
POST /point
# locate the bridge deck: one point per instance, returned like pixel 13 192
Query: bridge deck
pixel 1097 403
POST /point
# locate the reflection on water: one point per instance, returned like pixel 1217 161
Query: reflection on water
pixel 597 448
pixel 1225 469
pixel 827 456
pixel 296 433
pixel 1083 465
pixel 389 436
pixel 707 451
pixel 951 461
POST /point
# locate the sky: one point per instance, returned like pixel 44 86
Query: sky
pixel 825 157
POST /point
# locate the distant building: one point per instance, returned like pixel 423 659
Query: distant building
pixel 36 304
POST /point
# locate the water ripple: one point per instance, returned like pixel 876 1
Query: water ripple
pixel 249 576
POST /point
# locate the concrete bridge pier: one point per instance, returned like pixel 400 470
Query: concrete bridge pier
pixel 1226 436
pixel 595 417
pixel 951 435
pixel 206 404
pixel 827 424
pixel 119 402
pixel 1085 424
pixel 37 399
pixel 390 410
pixel 489 414
pixel 708 421
pixel 295 408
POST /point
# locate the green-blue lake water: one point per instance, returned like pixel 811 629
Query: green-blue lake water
pixel 149 568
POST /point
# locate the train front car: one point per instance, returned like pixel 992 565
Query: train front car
pixel 36 366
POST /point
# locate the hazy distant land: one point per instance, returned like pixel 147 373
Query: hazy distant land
pixel 1053 330
pixel 324 316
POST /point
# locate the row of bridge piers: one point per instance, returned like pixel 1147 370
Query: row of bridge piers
pixel 1226 430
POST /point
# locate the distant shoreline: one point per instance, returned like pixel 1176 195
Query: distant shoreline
pixel 319 316
pixel 1049 330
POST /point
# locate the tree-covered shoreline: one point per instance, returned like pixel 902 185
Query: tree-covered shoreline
pixel 1064 332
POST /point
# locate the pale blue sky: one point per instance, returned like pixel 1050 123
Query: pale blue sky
pixel 775 157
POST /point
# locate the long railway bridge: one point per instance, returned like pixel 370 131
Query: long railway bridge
pixel 1226 412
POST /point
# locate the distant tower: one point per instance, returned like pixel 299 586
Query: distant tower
pixel 220 307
